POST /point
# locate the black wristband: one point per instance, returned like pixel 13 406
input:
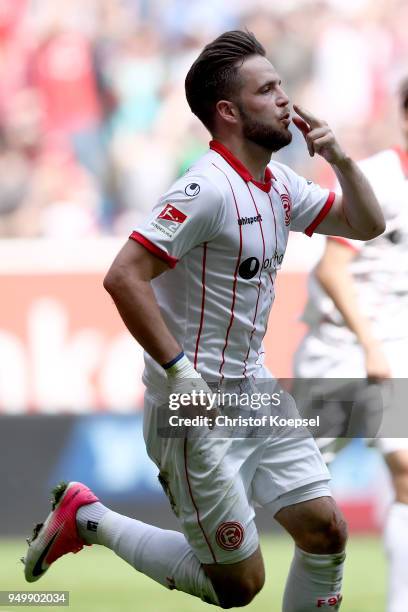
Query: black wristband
pixel 171 363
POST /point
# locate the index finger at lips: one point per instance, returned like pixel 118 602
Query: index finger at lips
pixel 307 116
pixel 301 125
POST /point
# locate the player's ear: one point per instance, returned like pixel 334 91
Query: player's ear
pixel 227 111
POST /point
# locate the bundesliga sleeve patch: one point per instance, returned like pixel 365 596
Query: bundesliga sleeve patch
pixel 169 221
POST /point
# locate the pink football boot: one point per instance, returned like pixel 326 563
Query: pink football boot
pixel 58 535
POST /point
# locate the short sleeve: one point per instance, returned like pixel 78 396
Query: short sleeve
pixel 190 213
pixel 311 203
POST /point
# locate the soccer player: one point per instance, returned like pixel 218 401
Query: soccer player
pixel 194 285
pixel 358 327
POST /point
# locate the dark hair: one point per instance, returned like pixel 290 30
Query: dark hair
pixel 404 94
pixel 214 75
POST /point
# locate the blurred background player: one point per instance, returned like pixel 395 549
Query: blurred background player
pixel 358 327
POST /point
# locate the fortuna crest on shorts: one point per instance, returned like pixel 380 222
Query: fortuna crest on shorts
pixel 230 535
pixel 287 206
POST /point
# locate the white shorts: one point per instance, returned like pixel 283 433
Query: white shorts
pixel 315 359
pixel 213 484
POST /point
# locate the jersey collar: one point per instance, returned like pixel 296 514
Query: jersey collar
pixel 239 167
pixel 403 156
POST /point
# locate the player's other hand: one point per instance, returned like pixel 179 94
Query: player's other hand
pixel 183 381
pixel 377 366
pixel 318 136
pixel 201 398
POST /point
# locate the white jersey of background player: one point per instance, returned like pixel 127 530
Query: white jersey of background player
pixel 213 303
pixel 358 326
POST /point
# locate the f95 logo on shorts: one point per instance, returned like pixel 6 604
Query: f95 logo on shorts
pixel 230 535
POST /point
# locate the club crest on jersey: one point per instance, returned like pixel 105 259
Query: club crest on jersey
pixel 230 535
pixel 169 221
pixel 192 189
pixel 287 207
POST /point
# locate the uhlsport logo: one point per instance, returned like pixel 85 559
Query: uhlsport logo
pixel 192 189
pixel 169 221
pixel 230 535
pixel 249 220
pixel 250 267
pixel 287 207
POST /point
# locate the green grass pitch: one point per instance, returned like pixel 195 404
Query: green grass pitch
pixel 99 581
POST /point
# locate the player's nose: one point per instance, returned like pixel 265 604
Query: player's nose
pixel 282 98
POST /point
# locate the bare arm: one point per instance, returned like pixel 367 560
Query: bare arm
pixel 357 213
pixel 333 274
pixel 128 282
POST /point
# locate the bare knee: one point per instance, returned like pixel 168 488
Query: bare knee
pixel 328 535
pixel 239 593
pixel 317 526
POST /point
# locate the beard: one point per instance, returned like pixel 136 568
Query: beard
pixel 262 134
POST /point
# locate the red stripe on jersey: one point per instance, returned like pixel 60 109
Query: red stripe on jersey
pixel 403 156
pixel 234 286
pixel 202 304
pixel 259 283
pixel 344 242
pixel 194 503
pixel 326 208
pixel 269 274
pixel 274 219
pixel 154 249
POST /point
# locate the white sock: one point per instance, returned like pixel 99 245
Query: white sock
pixel 160 554
pixel 396 546
pixel 314 582
pixel 87 520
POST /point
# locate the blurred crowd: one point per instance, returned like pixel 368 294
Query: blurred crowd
pixel 93 120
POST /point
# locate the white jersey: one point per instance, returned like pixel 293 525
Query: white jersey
pixel 224 237
pixel 380 266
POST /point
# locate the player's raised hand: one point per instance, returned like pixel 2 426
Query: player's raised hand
pixel 318 136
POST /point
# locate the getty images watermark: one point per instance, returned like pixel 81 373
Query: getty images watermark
pixel 222 420
pixel 322 408
pixel 238 414
pixel 208 401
